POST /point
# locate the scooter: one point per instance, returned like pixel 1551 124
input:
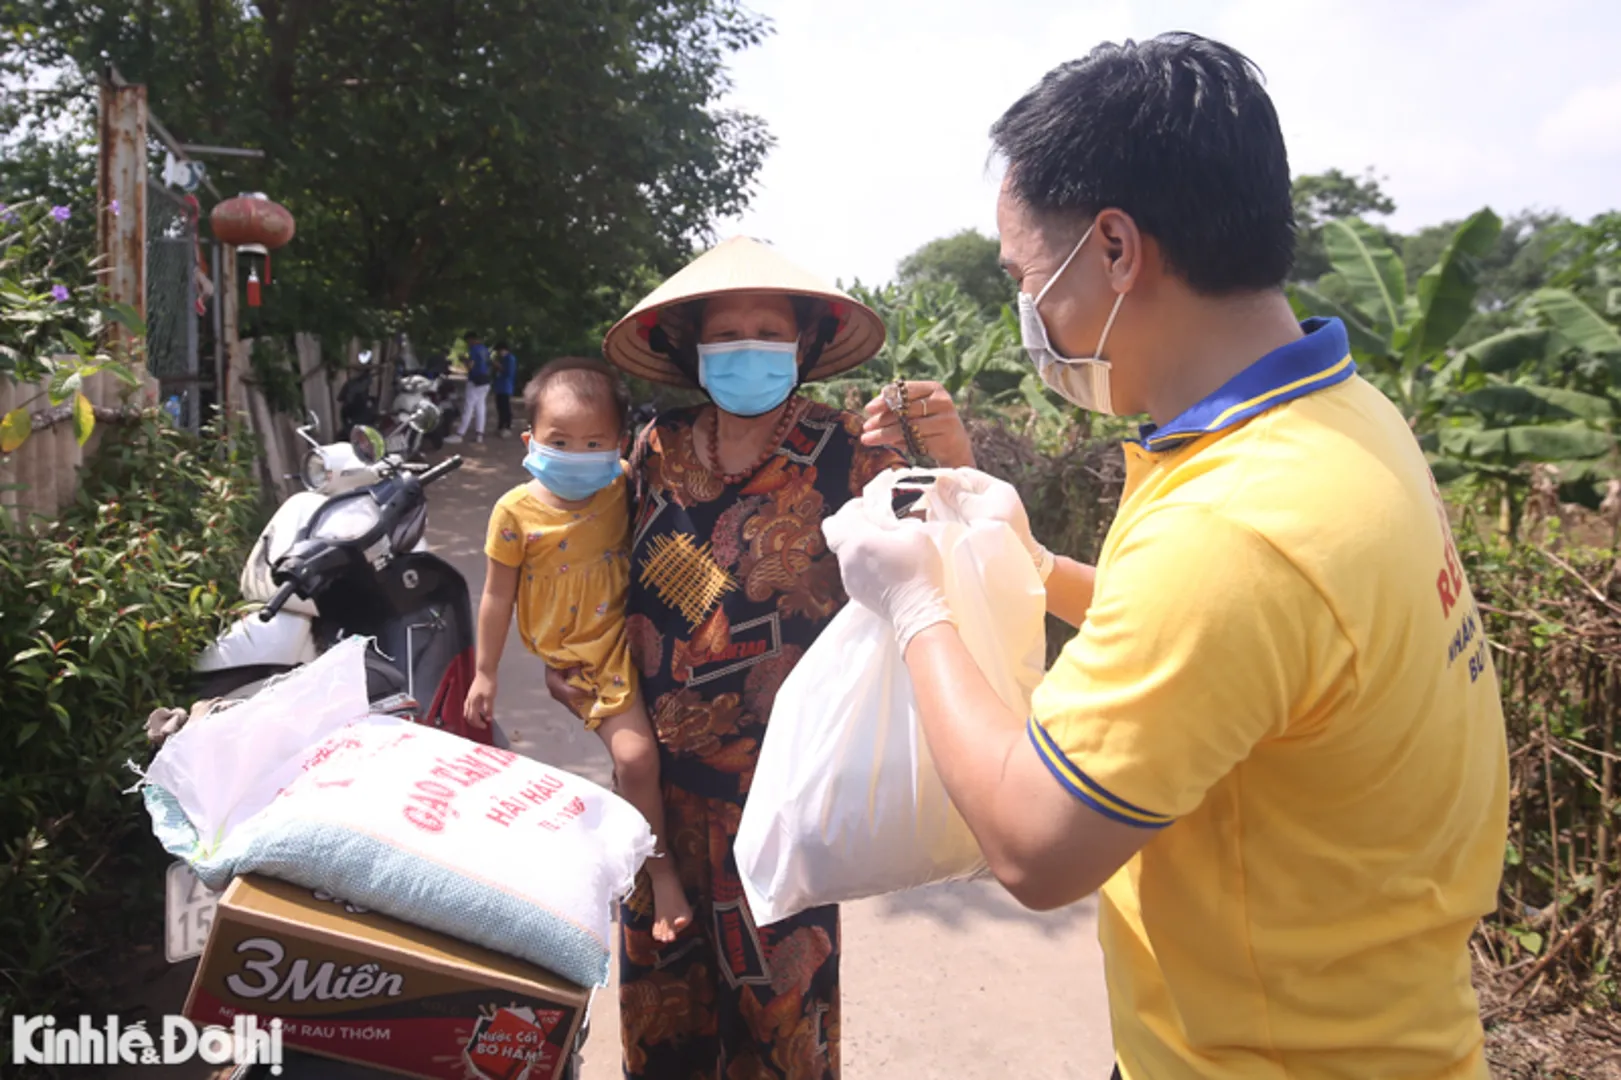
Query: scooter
pixel 357 404
pixel 414 416
pixel 448 395
pixel 345 557
pixel 349 556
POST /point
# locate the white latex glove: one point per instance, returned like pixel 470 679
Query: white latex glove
pixel 977 496
pixel 890 567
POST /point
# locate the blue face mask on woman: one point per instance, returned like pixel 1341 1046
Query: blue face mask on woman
pixel 749 378
pixel 570 475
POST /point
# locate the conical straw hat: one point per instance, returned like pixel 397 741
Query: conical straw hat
pixel 741 265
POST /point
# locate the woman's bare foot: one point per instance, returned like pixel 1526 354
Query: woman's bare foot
pixel 671 912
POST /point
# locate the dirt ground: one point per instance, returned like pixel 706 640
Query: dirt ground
pixel 1571 1046
pixel 956 981
pixel 1531 1040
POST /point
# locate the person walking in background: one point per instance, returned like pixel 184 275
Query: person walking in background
pixel 480 372
pixel 506 379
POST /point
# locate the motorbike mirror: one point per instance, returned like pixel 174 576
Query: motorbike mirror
pixel 312 423
pixel 368 444
pixel 425 418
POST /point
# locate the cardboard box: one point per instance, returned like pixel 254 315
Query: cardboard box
pixel 362 987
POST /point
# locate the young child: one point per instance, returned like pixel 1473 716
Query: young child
pixel 557 549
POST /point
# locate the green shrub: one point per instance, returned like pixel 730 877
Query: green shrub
pixel 53 313
pixel 101 614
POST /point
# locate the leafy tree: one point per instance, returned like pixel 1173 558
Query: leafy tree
pixel 1331 196
pixel 1593 270
pixel 970 260
pixel 450 164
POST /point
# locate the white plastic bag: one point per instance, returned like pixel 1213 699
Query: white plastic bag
pixel 299 783
pixel 225 767
pixel 845 801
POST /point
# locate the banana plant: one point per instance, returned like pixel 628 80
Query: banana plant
pixel 1401 338
pixel 1566 344
pixel 936 332
pixel 1490 410
pixel 1548 391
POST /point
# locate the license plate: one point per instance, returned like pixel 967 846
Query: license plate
pixel 188 909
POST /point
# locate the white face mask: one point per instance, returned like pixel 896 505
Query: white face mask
pixel 1083 380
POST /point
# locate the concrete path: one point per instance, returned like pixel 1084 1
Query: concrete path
pixel 954 982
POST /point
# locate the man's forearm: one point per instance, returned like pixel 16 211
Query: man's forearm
pixel 970 731
pixel 1069 590
pixel 1043 845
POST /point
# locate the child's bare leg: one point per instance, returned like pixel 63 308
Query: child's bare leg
pixel 635 753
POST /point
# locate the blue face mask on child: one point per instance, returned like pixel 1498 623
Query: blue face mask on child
pixel 749 378
pixel 574 476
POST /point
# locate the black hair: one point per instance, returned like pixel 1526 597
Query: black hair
pixel 590 380
pixel 676 335
pixel 1178 132
pixel 500 346
pixel 473 335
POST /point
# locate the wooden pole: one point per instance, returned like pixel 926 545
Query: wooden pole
pixel 121 182
pixel 233 363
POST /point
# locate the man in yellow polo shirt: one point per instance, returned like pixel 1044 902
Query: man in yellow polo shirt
pixel 1276 741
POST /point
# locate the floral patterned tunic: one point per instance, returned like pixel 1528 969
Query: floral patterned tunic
pixel 729 587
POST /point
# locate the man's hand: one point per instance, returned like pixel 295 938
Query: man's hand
pixel 934 417
pixel 890 567
pixel 577 701
pixel 479 709
pixel 976 496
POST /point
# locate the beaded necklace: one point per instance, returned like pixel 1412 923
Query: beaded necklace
pixel 790 414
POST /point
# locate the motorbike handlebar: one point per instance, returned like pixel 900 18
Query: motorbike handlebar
pixel 449 465
pixel 277 602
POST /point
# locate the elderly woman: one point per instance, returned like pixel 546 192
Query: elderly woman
pixel 731 583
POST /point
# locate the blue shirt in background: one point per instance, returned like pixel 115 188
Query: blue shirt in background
pixel 478 364
pixel 506 374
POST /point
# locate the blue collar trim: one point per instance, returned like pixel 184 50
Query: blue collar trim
pixel 1317 361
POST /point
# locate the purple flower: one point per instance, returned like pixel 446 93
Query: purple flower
pixel 59 293
pixel 113 206
pixel 61 213
pixel 7 214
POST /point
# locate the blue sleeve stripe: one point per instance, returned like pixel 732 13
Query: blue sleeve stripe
pixel 1089 791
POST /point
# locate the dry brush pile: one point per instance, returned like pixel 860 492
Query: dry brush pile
pixel 1553 615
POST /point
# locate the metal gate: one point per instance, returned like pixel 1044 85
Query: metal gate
pixel 171 302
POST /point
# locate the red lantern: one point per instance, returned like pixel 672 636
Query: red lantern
pixel 256 225
pixel 252 219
